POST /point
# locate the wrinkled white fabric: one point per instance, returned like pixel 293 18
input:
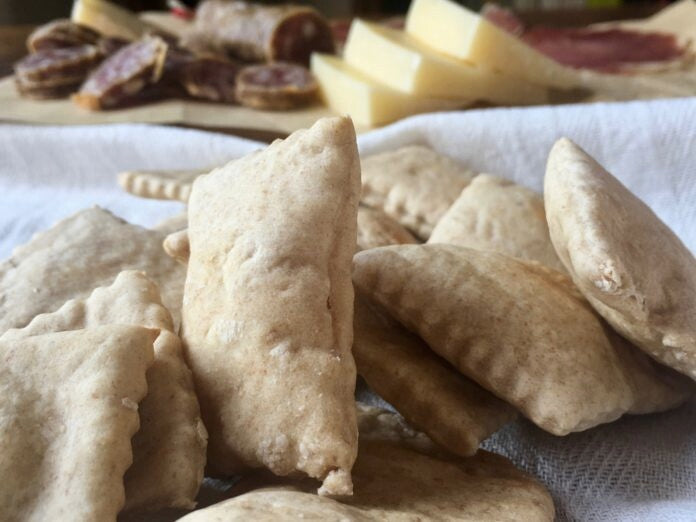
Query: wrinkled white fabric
pixel 639 468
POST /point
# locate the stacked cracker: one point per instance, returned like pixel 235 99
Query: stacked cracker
pixel 553 308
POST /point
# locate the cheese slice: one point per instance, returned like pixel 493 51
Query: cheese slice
pixel 348 91
pixel 395 59
pixel 108 19
pixel 455 31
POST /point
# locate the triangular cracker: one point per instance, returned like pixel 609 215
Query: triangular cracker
pixel 376 229
pixel 160 184
pixel 68 409
pixel 454 411
pixel 414 185
pixel 496 214
pixel 395 482
pixel 76 255
pixel 169 448
pixel 268 306
pixel 514 329
pixel 633 269
pixel 375 423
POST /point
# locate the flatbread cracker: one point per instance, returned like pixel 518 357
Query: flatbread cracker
pixel 68 409
pixel 160 184
pixel 394 483
pixel 496 214
pixel 268 309
pixel 515 330
pixel 414 185
pixel 376 229
pixel 434 397
pixel 173 223
pixel 169 449
pixel 631 267
pixel 76 255
pixel 379 424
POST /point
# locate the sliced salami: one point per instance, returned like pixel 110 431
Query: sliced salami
pixel 609 50
pixel 50 64
pixel 209 79
pixel 256 33
pixel 109 45
pixel 276 86
pixel 41 91
pixel 124 74
pixel 60 34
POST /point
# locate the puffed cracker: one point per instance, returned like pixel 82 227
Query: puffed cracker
pixel 375 423
pixel 78 254
pixel 160 184
pixel 414 185
pixel 394 483
pixel 432 396
pixel 516 331
pixel 268 309
pixel 496 214
pixel 169 448
pixel 68 409
pixel 631 267
pixel 376 229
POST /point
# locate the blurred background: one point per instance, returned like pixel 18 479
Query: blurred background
pixel 544 11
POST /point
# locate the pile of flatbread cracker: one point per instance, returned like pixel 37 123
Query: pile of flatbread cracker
pixel 226 341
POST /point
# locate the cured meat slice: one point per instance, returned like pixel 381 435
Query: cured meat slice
pixel 209 79
pixel 276 86
pixel 50 64
pixel 262 33
pixel 606 50
pixel 109 45
pixel 60 34
pixel 612 50
pixel 45 92
pixel 503 18
pixel 124 74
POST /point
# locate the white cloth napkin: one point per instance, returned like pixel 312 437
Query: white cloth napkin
pixel 638 468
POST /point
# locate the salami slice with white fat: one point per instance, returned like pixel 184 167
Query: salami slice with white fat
pixel 257 33
pixel 49 64
pixel 60 34
pixel 209 79
pixel 276 86
pixel 46 91
pixel 109 45
pixel 124 74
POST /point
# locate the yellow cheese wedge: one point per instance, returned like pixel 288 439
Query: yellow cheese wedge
pixel 348 91
pixel 455 31
pixel 108 19
pixel 395 59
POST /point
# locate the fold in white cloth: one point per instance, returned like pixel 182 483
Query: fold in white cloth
pixel 639 468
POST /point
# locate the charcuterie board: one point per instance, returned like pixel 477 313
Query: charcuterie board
pixel 675 82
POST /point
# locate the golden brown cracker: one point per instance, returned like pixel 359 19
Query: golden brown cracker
pixel 629 265
pixel 268 309
pixel 68 409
